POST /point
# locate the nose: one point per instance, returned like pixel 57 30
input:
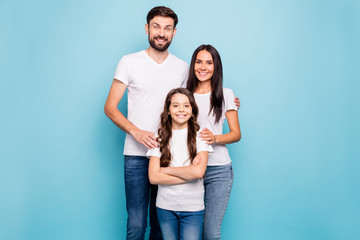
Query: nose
pixel 161 32
pixel 181 108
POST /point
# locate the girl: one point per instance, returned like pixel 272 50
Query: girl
pixel 173 166
pixel 215 103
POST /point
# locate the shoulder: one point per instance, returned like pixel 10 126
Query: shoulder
pixel 178 60
pixel 228 91
pixel 134 56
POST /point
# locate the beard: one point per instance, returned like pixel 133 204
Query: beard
pixel 160 48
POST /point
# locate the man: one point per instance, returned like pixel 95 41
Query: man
pixel 148 76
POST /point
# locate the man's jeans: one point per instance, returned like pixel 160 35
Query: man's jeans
pixel 137 190
pixel 181 225
pixel 217 182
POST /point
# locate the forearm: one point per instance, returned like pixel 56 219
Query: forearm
pixel 119 119
pixel 227 138
pixel 188 173
pixel 159 178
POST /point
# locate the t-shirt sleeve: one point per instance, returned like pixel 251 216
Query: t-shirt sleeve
pixel 122 71
pixel 202 145
pixel 229 100
pixel 154 152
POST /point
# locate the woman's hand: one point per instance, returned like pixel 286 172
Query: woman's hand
pixel 207 136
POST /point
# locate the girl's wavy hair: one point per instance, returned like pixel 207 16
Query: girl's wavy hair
pixel 165 129
pixel 217 96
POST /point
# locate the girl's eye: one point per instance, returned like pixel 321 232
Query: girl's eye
pixel 198 62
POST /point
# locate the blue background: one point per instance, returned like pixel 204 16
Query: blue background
pixel 294 65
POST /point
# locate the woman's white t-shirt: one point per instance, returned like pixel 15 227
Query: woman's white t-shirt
pixel 186 196
pixel 220 156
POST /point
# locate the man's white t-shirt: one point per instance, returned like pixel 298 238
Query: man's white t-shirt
pixel 148 83
pixel 220 156
pixel 186 196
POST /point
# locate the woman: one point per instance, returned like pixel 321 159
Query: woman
pixel 215 104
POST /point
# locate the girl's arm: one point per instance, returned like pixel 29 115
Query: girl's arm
pixel 191 172
pixel 157 177
pixel 233 136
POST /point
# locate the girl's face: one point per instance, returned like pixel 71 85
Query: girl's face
pixel 204 66
pixel 180 111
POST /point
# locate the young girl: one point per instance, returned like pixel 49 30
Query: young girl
pixel 173 166
pixel 215 104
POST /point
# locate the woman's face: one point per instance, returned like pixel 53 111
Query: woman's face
pixel 204 66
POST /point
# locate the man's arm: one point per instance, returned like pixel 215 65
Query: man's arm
pixel 116 93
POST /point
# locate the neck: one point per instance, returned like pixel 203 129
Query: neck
pixel 203 87
pixel 156 55
pixel 179 126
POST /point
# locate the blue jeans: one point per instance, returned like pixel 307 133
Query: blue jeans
pixel 137 190
pixel 217 182
pixel 181 225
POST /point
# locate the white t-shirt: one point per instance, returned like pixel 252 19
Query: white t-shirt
pixel 186 196
pixel 148 83
pixel 220 156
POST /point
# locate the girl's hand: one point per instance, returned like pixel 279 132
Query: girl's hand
pixel 163 170
pixel 196 160
pixel 208 136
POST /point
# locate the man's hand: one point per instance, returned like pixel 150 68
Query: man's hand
pixel 146 138
pixel 237 102
pixel 208 136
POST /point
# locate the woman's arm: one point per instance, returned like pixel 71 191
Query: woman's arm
pixel 233 136
pixel 189 173
pixel 157 177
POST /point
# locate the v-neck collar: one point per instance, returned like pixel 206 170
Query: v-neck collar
pixel 157 64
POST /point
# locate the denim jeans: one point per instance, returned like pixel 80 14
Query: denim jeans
pixel 217 182
pixel 181 225
pixel 137 190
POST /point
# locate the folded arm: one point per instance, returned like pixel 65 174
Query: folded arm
pixel 157 177
pixel 192 172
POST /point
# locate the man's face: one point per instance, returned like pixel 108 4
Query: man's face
pixel 161 32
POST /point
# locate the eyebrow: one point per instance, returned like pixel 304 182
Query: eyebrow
pixel 207 60
pixel 159 24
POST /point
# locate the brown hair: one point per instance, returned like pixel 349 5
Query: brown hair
pixel 217 95
pixel 165 129
pixel 162 11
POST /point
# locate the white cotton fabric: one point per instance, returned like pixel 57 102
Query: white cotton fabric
pixel 187 196
pixel 147 86
pixel 220 156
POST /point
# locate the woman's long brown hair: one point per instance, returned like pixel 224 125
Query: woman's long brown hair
pixel 165 129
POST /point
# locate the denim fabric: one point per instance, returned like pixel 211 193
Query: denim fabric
pixel 137 190
pixel 217 182
pixel 181 225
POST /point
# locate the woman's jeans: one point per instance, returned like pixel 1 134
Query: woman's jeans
pixel 137 190
pixel 181 225
pixel 218 182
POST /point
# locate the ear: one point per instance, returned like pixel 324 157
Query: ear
pixel 147 29
pixel 174 32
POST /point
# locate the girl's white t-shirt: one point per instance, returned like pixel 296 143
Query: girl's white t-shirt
pixel 220 156
pixel 186 196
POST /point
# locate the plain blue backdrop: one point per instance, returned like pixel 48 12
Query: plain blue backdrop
pixel 294 65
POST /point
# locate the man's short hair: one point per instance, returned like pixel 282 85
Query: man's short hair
pixel 162 11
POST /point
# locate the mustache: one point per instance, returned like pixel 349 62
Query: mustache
pixel 160 37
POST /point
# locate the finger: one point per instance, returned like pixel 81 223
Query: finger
pixel 152 143
pixel 152 136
